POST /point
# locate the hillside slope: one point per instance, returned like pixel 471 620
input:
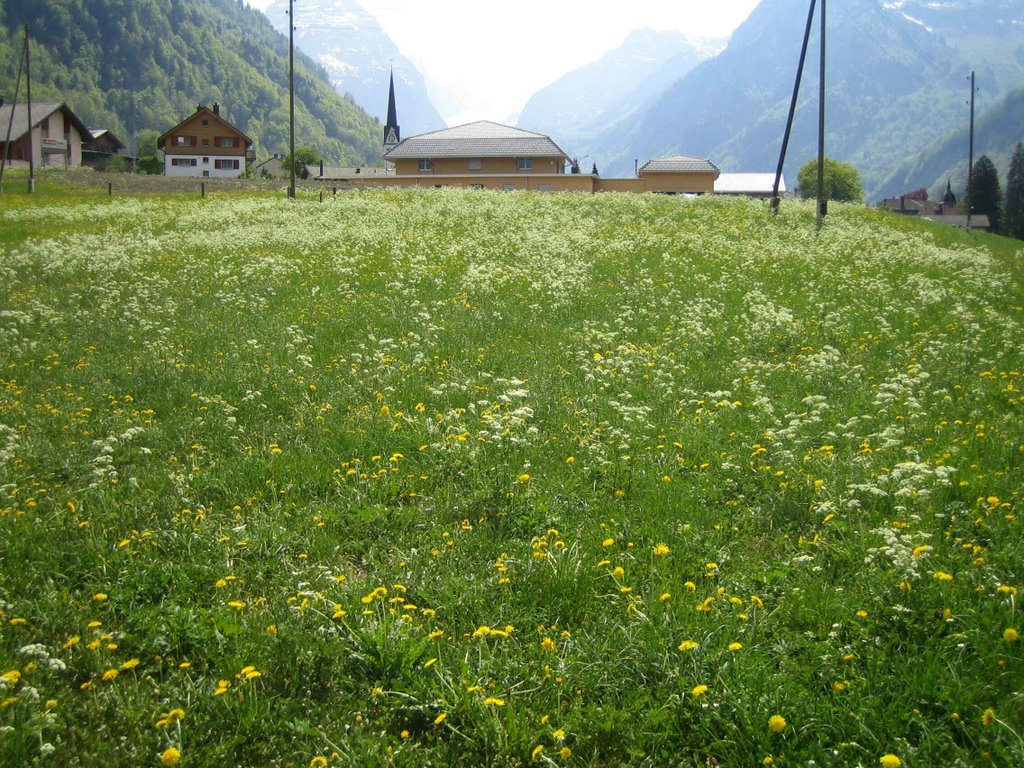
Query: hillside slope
pixel 995 134
pixel 145 64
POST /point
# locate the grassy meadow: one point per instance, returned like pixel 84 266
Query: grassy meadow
pixel 463 478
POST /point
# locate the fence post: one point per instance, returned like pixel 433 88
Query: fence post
pixel 110 189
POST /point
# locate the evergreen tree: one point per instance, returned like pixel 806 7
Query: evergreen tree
pixel 985 193
pixel 1013 223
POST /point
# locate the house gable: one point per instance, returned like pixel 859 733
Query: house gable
pixel 205 132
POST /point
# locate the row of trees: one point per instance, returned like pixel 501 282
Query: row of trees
pixel 1005 217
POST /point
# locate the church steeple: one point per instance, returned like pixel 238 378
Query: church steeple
pixel 392 133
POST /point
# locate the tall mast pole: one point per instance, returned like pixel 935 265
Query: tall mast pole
pixel 28 93
pixel 291 95
pixel 10 122
pixel 792 110
pixel 822 203
pixel 970 160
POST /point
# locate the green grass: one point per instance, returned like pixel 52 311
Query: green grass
pixel 446 477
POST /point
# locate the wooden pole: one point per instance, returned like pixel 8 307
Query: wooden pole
pixel 291 95
pixel 28 94
pixel 822 202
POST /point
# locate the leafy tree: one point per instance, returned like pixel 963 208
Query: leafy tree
pixel 303 156
pixel 145 144
pixel 117 164
pixel 985 193
pixel 842 181
pixel 1013 223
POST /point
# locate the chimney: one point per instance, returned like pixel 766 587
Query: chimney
pixel 199 108
pixel 636 167
pixel 216 108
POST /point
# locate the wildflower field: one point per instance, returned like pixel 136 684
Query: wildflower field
pixel 466 478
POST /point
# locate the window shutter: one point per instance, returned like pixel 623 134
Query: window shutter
pixel 195 140
pixel 236 142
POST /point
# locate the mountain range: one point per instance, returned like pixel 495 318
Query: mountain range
pixel 578 105
pixel 896 85
pixel 359 57
pixel 130 65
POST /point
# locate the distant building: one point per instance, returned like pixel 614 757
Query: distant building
pixel 748 184
pixel 101 149
pixel 205 144
pixel 392 133
pixel 941 212
pixel 56 135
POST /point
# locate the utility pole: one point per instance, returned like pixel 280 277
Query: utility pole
pixel 28 93
pixel 970 161
pixel 792 110
pixel 10 122
pixel 291 95
pixel 822 202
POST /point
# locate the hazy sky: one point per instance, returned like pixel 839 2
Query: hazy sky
pixel 484 59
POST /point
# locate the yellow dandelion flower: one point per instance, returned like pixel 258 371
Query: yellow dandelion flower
pixel 988 717
pixel 1011 635
pixel 318 762
pixel 619 572
pixel 660 550
pixel 777 723
pixel 687 645
pixel 170 756
pixel 109 675
pixel 733 647
pixel 493 701
pixel 547 644
pixel 942 576
pixel 99 597
pixel 440 718
pixel 523 478
pixel 537 752
pixel 130 664
pixel 699 690
pixel 565 753
pixel 665 597
pixel 608 542
pixel 890 761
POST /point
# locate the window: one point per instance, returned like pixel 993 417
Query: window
pixel 525 163
pixel 206 161
pixel 543 187
pixel 226 164
pixel 183 161
pixel 426 165
pixel 475 164
pixel 206 142
pixel 45 126
pixel 206 122
pixel 184 141
pixel 508 187
pixel 227 141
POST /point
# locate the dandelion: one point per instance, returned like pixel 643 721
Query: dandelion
pixel 440 718
pixel 537 752
pixel 733 647
pixel 109 675
pixel 170 756
pixel 565 753
pixel 660 550
pixel 99 597
pixel 547 644
pixel 988 717
pixel 687 645
pixel 493 701
pixel 699 690
pixel 890 761
pixel 777 723
pixel 942 576
pixel 608 542
pixel 1011 635
pixel 130 664
pixel 523 478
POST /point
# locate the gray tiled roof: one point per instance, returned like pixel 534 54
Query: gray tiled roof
pixel 678 164
pixel 40 111
pixel 479 139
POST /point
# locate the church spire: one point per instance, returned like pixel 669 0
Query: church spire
pixel 392 133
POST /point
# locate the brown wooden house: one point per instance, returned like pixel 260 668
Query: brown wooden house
pixel 205 144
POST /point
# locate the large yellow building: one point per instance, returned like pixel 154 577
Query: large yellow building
pixel 490 155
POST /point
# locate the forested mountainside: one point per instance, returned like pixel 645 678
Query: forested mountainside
pixel 996 133
pixel 130 65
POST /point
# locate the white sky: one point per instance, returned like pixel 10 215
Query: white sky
pixel 484 59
